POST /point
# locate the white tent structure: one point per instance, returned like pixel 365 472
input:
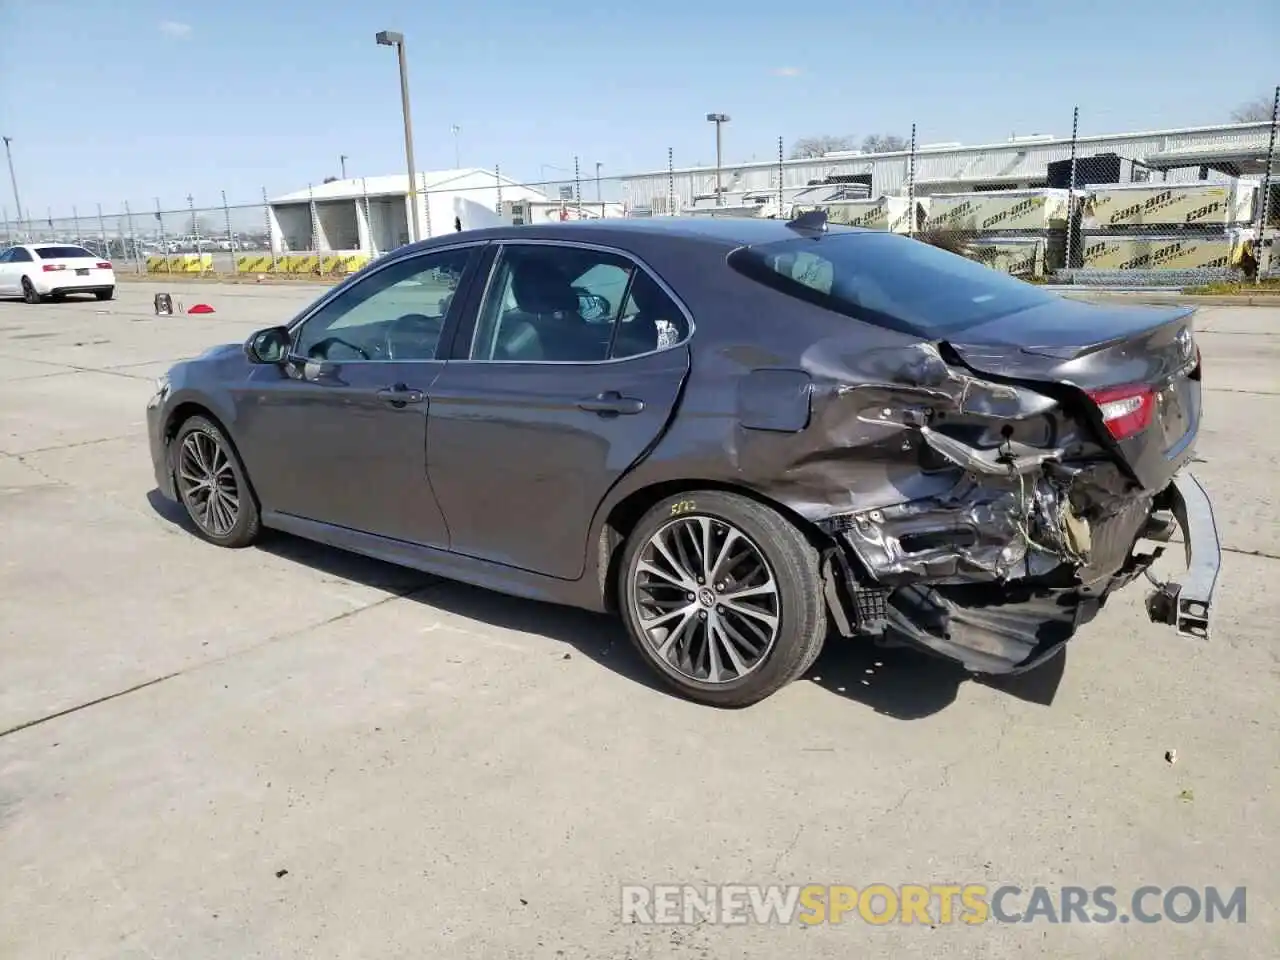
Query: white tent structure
pixel 372 214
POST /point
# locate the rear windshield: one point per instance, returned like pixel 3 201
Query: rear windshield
pixel 888 279
pixel 61 253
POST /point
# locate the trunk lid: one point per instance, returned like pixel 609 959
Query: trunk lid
pixel 1132 371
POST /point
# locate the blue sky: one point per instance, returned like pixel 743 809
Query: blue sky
pixel 139 99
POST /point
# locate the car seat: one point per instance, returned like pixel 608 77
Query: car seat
pixel 546 324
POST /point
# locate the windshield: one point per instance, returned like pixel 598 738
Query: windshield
pixel 888 279
pixel 61 253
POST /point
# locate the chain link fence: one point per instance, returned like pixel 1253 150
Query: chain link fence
pixel 1095 206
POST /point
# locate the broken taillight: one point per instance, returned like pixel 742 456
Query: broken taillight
pixel 1125 410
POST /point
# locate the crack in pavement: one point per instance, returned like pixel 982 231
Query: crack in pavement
pixel 409 593
pixel 72 368
pixel 78 443
pixel 1254 393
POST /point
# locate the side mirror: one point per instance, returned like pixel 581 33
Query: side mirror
pixel 268 346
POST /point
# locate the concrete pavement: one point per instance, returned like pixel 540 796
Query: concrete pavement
pixel 291 752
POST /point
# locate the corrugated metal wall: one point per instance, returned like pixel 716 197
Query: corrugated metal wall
pixel 938 170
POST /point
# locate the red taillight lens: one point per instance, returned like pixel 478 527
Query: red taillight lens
pixel 1125 410
pixel 51 267
pixel 103 265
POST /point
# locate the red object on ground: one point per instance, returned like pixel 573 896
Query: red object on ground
pixel 200 308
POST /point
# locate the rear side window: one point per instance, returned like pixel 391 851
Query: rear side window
pixel 889 280
pixel 61 253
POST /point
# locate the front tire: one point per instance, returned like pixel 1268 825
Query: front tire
pixel 212 485
pixel 29 293
pixel 722 596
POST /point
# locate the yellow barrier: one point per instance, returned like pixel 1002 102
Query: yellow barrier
pixel 299 263
pixel 256 263
pixel 180 263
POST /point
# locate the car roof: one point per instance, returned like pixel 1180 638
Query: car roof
pixel 719 231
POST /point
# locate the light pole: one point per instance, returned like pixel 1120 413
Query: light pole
pixel 389 38
pixel 13 179
pixel 718 119
pixel 598 198
pixel 342 163
pixel 457 152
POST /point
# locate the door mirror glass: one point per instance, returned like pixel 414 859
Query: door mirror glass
pixel 268 346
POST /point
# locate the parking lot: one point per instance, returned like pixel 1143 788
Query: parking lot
pixel 287 751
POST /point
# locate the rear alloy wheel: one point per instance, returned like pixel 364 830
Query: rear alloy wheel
pixel 212 485
pixel 723 596
pixel 29 291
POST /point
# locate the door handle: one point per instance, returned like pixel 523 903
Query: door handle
pixel 400 395
pixel 611 402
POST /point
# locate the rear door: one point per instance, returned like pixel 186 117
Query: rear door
pixel 569 376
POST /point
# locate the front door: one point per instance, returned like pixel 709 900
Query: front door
pixel 337 433
pixel 571 372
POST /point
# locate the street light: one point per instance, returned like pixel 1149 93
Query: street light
pixel 13 179
pixel 342 162
pixel 389 38
pixel 718 119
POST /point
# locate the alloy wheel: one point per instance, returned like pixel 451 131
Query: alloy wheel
pixel 706 600
pixel 207 483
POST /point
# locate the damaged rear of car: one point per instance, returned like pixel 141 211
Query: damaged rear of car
pixel 989 479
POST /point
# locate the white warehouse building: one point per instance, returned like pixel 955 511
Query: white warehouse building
pixel 372 214
pixel 1178 156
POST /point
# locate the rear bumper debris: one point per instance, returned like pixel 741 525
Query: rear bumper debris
pixel 1188 605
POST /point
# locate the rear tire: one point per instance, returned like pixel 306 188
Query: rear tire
pixel 108 294
pixel 29 293
pixel 212 485
pixel 739 614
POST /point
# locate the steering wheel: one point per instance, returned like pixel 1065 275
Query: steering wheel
pixel 428 329
pixel 320 349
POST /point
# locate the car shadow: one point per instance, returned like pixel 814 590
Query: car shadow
pixel 898 682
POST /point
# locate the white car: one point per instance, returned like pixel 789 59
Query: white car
pixel 42 271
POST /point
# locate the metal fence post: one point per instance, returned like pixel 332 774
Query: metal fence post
pixel 368 220
pixel 1264 200
pixel 781 172
pixel 271 236
pixel 577 187
pixel 671 182
pixel 911 185
pixel 497 179
pixel 1071 189
pixel 315 226
pixel 133 239
pixel 231 237
pixel 164 246
pixel 102 231
pixel 75 219
pixel 8 237
pixel 195 232
pixel 426 205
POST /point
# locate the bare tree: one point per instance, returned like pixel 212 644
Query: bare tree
pixel 882 143
pixel 808 147
pixel 1254 110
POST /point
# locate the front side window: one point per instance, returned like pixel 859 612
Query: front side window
pixel 548 303
pixel 890 280
pixel 20 255
pixel 62 253
pixel 396 313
